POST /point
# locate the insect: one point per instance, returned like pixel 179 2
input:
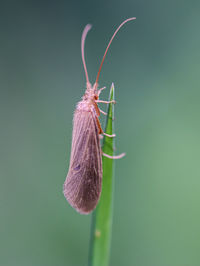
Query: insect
pixel 82 187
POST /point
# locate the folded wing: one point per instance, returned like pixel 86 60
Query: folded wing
pixel 82 187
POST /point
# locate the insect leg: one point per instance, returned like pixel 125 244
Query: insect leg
pixel 101 111
pixel 101 130
pixel 97 109
pixel 100 90
pixel 110 136
pixel 114 156
pixel 100 101
pixel 99 126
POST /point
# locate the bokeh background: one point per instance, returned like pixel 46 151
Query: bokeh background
pixel 155 65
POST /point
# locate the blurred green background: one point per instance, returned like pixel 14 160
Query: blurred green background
pixel 155 65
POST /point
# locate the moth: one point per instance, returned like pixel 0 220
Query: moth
pixel 82 187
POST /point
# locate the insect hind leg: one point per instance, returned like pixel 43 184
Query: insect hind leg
pixel 114 156
pixel 108 135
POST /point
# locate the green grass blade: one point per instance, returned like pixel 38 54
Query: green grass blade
pixel 102 216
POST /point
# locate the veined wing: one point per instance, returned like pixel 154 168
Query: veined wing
pixel 82 187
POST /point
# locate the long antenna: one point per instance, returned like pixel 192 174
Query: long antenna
pixel 109 46
pixel 85 32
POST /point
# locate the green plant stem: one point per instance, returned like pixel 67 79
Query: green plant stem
pixel 102 217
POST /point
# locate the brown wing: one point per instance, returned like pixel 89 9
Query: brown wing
pixel 82 187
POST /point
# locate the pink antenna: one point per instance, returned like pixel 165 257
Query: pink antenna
pixel 85 32
pixel 109 46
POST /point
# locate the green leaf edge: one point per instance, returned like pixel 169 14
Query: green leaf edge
pixel 101 227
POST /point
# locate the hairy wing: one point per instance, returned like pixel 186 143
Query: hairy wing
pixel 82 187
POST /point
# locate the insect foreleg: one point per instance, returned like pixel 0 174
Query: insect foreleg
pixel 100 90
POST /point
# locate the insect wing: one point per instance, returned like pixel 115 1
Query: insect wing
pixel 82 187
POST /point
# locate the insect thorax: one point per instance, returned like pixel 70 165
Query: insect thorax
pixel 88 99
